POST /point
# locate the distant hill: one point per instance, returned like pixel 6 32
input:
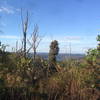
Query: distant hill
pixel 61 56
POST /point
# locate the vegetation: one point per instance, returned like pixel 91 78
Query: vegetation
pixel 34 78
pixel 23 79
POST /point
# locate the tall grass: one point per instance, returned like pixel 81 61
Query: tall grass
pixel 74 80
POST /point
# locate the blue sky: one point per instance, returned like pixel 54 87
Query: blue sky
pixel 69 21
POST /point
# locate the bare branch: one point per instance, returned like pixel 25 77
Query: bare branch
pixel 35 40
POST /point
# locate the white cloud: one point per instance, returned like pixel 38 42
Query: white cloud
pixel 8 37
pixel 63 39
pixel 78 43
pixel 9 9
pixel 6 10
pixel 3 24
pixel 18 10
pixel 73 37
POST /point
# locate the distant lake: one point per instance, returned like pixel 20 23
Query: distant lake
pixel 61 56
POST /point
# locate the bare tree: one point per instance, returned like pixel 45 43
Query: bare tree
pixel 24 27
pixel 35 40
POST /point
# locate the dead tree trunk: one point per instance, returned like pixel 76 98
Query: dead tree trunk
pixel 24 26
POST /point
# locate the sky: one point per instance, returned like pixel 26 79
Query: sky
pixel 74 23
